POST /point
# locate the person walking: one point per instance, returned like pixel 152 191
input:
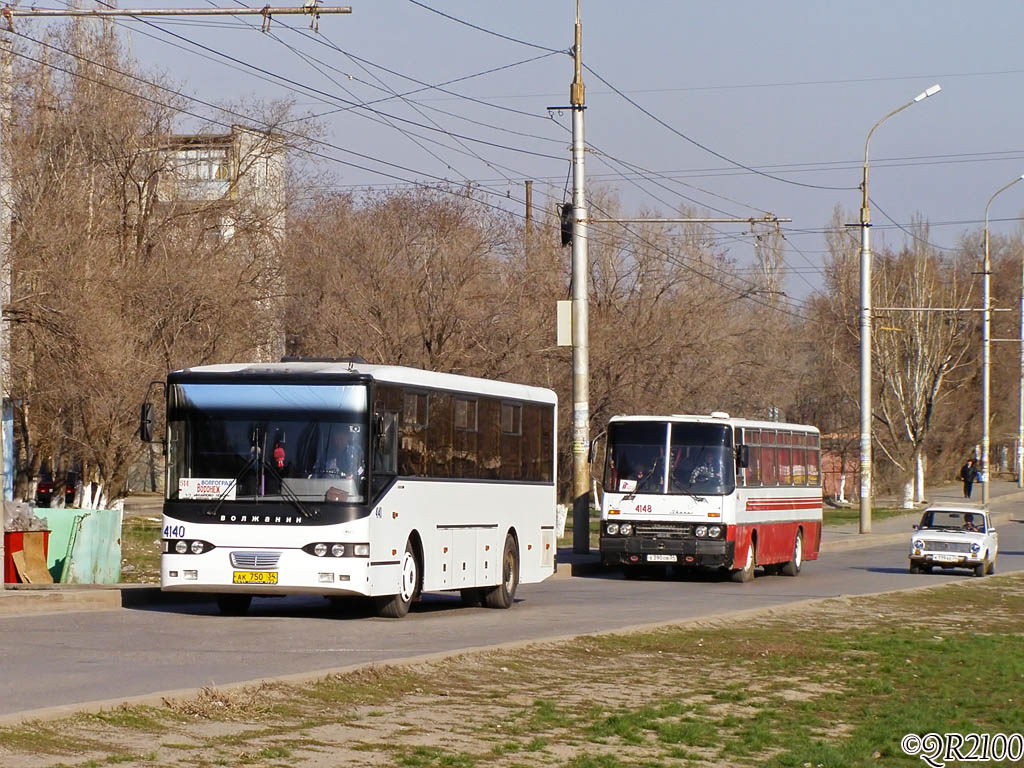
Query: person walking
pixel 968 473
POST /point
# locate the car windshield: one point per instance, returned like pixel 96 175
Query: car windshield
pixel 251 442
pixel 956 520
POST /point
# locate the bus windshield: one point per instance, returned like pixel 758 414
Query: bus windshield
pixel 700 458
pixel 253 442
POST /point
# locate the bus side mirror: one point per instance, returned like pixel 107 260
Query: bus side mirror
pixel 146 413
pixel 593 447
pixel 146 423
pixel 742 457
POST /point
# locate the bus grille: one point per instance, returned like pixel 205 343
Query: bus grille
pixel 661 530
pixel 255 560
pixel 947 546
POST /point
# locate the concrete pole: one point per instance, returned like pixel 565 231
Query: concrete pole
pixel 580 327
pixel 1020 406
pixel 865 325
pixel 986 352
pixel 6 96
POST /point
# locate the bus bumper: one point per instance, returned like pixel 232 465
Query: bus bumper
pixel 637 550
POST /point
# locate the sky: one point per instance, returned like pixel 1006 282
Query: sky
pixel 787 89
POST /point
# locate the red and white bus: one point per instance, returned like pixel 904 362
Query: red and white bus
pixel 710 491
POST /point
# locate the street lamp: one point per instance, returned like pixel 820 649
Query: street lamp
pixel 865 326
pixel 986 357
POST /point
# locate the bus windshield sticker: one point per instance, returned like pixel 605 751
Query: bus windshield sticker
pixel 206 488
pixel 627 485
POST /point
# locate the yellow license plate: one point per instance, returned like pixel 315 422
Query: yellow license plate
pixel 255 577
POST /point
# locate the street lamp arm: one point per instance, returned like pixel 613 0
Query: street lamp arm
pixel 921 96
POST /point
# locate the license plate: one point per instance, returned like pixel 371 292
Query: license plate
pixel 255 577
pixel 661 558
pixel 945 558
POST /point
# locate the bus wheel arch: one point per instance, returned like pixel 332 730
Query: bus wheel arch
pixel 503 594
pixel 795 563
pixel 411 566
pixel 746 573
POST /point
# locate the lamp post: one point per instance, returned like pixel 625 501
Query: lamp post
pixel 865 325
pixel 986 357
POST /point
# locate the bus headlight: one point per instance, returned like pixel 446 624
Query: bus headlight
pixel 197 547
pixel 700 531
pixel 337 550
pixel 625 528
pixel 320 549
pixel 181 547
pixel 361 550
pixel 714 531
pixel 612 529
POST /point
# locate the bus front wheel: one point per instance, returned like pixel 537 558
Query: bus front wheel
pixel 746 573
pixel 504 593
pixel 396 606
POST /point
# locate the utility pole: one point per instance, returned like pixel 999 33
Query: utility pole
pixel 580 322
pixel 6 202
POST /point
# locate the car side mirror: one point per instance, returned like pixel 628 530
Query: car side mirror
pixel 914 526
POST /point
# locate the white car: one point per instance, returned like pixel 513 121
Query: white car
pixel 954 536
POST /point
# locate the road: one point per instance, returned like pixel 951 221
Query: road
pixel 75 658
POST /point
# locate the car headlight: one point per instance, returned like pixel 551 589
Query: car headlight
pixel 320 549
pixel 714 531
pixel 612 529
pixel 625 528
pixel 700 530
pixel 181 547
pixel 975 547
pixel 918 544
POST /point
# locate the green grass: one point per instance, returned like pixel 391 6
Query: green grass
pixel 832 516
pixel 140 549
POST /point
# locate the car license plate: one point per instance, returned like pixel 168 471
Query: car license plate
pixel 945 558
pixel 661 558
pixel 255 577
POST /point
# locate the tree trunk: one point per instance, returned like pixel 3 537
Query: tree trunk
pixel 908 493
pixel 919 477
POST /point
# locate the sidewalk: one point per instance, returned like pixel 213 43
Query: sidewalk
pixel 25 599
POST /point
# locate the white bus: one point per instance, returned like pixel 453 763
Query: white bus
pixel 710 491
pixel 342 478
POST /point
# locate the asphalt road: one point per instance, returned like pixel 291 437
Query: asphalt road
pixel 56 660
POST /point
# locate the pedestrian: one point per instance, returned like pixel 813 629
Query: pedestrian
pixel 968 473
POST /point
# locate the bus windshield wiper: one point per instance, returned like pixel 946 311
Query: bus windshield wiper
pixel 286 490
pixel 233 484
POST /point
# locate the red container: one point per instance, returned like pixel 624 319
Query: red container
pixel 14 541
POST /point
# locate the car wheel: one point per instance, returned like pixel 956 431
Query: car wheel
pixel 992 566
pixel 979 569
pixel 792 568
pixel 915 568
pixel 746 573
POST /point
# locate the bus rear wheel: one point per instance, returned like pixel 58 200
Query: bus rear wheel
pixel 792 568
pixel 504 593
pixel 234 605
pixel 396 606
